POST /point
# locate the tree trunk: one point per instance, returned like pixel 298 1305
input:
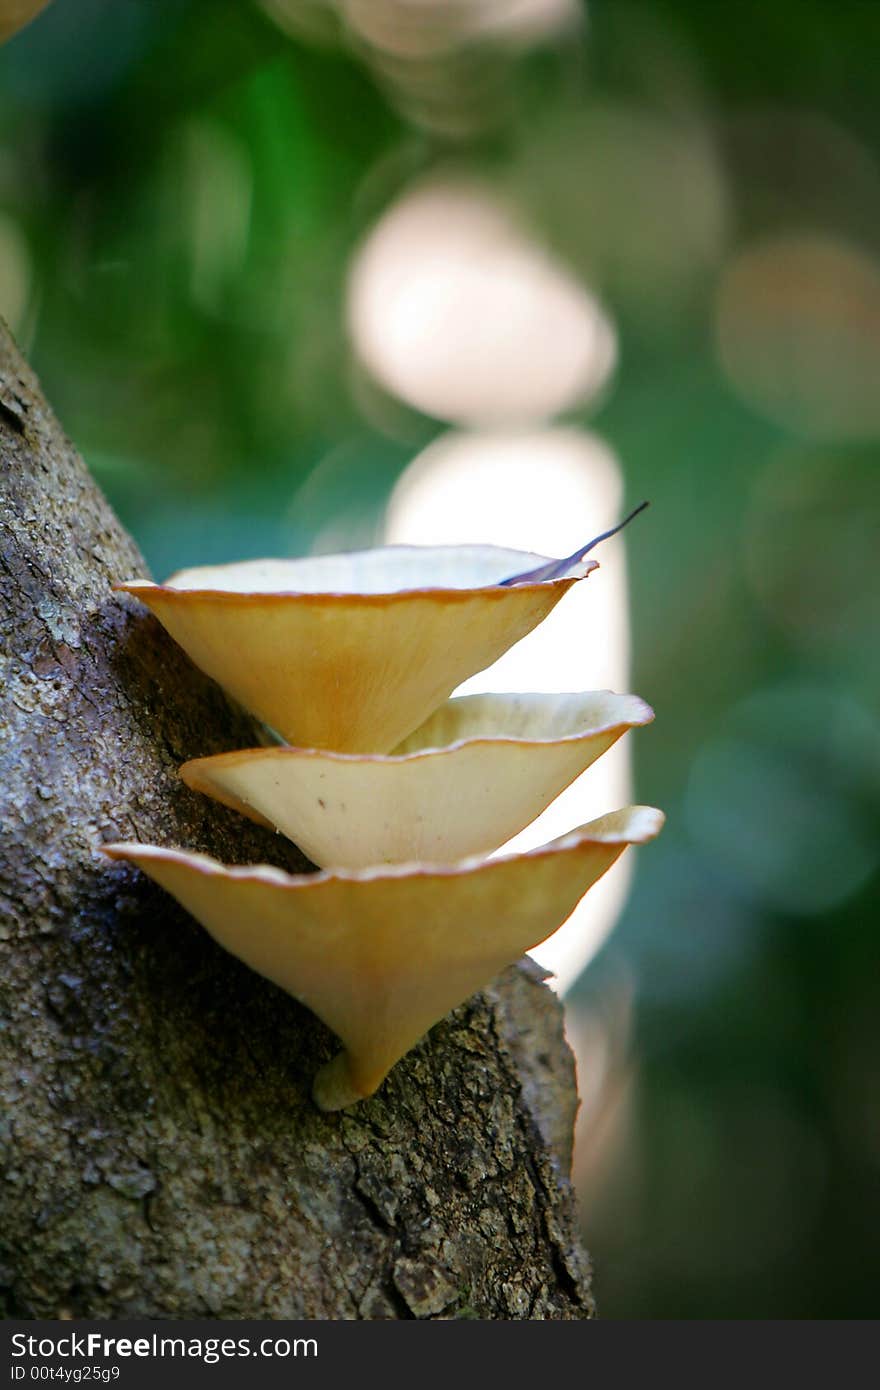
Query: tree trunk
pixel 159 1154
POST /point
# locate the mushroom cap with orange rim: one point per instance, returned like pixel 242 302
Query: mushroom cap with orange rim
pixel 352 652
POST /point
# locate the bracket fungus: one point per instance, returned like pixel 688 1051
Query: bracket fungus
pixel 479 770
pixel 15 14
pixel 348 657
pixel 381 954
pixel 352 652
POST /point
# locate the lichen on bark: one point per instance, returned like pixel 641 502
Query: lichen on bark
pixel 159 1154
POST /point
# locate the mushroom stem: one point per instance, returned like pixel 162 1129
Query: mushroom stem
pixel 333 1088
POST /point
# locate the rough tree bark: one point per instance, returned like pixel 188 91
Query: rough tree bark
pixel 159 1154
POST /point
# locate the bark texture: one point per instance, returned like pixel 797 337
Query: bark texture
pixel 159 1154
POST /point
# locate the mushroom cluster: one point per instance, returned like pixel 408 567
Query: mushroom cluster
pixel 397 792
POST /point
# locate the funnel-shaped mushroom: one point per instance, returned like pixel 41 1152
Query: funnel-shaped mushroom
pixel 479 770
pixel 382 954
pixel 14 14
pixel 352 652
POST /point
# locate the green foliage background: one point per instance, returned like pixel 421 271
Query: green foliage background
pixel 197 356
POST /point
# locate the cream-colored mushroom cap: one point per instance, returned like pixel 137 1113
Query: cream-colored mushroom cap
pixel 352 652
pixel 381 954
pixel 471 777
